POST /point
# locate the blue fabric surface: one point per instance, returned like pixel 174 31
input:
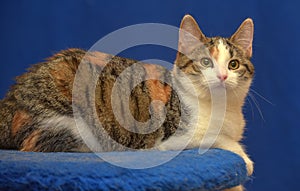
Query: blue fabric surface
pixel 214 170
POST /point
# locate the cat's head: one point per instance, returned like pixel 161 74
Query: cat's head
pixel 216 62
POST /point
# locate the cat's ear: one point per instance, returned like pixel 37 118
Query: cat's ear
pixel 190 35
pixel 243 37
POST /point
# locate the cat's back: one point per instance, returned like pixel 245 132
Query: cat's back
pixel 45 95
pixel 48 83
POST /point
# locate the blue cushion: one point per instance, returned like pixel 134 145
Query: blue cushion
pixel 214 170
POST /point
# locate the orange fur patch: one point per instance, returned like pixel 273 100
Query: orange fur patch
pixel 98 58
pixel 20 119
pixel 29 143
pixel 158 90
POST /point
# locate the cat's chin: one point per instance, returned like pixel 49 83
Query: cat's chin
pixel 218 89
pixel 217 85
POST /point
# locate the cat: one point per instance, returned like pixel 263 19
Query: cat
pixel 38 112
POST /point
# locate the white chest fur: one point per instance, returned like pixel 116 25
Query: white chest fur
pixel 208 123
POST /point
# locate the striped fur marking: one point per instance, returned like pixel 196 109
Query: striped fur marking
pixel 223 52
pixel 63 74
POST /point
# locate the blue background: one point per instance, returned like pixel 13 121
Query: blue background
pixel 33 30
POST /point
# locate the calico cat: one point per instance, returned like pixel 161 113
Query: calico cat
pixel 55 108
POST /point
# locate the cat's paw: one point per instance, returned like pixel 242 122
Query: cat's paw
pixel 249 165
pixel 237 188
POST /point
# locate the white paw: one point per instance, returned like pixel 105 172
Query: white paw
pixel 249 166
pixel 237 188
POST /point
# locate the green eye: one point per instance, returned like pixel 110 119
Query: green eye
pixel 207 62
pixel 233 64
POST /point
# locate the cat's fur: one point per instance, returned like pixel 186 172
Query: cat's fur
pixel 37 112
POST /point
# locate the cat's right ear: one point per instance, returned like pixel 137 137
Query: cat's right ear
pixel 244 36
pixel 190 35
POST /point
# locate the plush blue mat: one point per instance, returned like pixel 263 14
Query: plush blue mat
pixel 214 170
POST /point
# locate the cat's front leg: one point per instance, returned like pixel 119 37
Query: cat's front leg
pixel 175 142
pixel 234 146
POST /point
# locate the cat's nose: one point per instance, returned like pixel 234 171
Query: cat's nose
pixel 222 77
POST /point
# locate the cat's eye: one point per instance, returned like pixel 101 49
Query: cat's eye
pixel 234 64
pixel 207 62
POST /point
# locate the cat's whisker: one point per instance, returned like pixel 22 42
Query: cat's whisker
pixel 248 100
pixel 252 97
pixel 257 105
pixel 262 97
pixel 251 106
pixel 234 92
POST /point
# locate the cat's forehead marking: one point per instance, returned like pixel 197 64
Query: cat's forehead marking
pixel 214 52
pixel 221 51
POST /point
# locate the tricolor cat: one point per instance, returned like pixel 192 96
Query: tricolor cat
pixel 37 113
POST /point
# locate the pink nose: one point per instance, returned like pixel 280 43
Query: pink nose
pixel 222 77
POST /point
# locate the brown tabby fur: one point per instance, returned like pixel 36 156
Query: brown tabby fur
pixel 46 90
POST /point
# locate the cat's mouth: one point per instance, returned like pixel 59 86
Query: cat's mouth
pixel 219 85
pixel 216 83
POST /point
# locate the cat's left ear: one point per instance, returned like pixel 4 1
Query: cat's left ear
pixel 243 37
pixel 190 35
